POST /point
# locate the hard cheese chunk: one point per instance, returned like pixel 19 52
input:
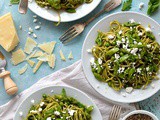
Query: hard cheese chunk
pixel 52 60
pixel 30 45
pixel 47 47
pixel 18 57
pixel 8 36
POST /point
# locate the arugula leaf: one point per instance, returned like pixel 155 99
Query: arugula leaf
pixel 14 1
pixel 127 5
pixel 153 6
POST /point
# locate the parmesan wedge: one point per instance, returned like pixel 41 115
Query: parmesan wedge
pixel 8 35
pixel 70 56
pixel 51 61
pixel 18 57
pixel 47 47
pixel 31 63
pixel 23 69
pixel 37 66
pixel 43 58
pixel 30 45
pixel 35 54
pixel 62 55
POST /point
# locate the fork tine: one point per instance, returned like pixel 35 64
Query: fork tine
pixel 68 31
pixel 67 36
pixel 70 38
pixel 115 113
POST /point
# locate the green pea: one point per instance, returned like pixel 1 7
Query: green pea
pixel 114 43
pixel 107 44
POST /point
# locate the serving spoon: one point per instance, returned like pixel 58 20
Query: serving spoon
pixel 23 6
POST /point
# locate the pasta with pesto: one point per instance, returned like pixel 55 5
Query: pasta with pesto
pixel 59 107
pixel 67 5
pixel 128 55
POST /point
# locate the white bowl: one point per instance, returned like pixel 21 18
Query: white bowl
pixel 51 15
pixel 141 112
pixel 70 91
pixel 103 88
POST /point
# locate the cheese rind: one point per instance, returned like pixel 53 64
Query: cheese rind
pixel 8 35
pixel 23 69
pixel 18 56
pixel 30 45
pixel 47 47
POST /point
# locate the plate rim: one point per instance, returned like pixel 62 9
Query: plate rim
pixel 63 21
pixel 82 56
pixel 62 86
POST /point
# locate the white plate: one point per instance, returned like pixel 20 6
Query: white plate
pixel 50 14
pixel 80 96
pixel 104 89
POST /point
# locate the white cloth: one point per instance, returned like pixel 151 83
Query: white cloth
pixel 70 76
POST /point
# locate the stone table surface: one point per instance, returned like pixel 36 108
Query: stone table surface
pixel 49 32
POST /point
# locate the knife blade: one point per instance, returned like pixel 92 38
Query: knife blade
pixel 10 87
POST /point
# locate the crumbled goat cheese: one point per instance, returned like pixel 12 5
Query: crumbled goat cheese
pixel 140 34
pixel 135 42
pixel 147 68
pixel 139 43
pixel 49 118
pixel 118 42
pixel 92 61
pixel 33 111
pixel 129 89
pixel 40 109
pixel 141 5
pixel 123 40
pixel 110 37
pixel 117 56
pixel 131 20
pixel 57 113
pixel 20 114
pixel 89 51
pixel 121 70
pixel 134 50
pixel 41 104
pixel 71 112
pixel 149 46
pixel 148 29
pixel 120 32
pixel 139 70
pixel 99 61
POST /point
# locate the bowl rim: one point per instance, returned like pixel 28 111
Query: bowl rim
pixel 141 112
pixel 83 49
pixel 62 86
pixel 64 21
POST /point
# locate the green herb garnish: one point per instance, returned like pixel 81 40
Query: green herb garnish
pixel 14 1
pixel 127 5
pixel 153 6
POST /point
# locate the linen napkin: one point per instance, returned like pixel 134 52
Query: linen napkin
pixel 70 76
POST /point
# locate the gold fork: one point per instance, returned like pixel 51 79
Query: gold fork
pixel 77 29
pixel 115 113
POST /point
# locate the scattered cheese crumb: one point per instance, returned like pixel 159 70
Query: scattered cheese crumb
pixel 110 37
pixel 148 29
pixel 34 16
pixel 57 113
pixel 131 20
pixel 20 114
pixel 52 91
pixel 32 101
pixel 141 5
pixel 71 112
pixel 37 27
pixel 99 61
pixel 129 89
pixel 49 118
pixel 30 29
pixel 89 51
pixel 35 20
pixel 120 32
pixel 41 104
pixel 40 109
pixel 29 33
pixel 20 27
pixel 152 85
pixel 62 55
pixel 123 94
pixel 34 35
pixel 23 69
pixel 134 50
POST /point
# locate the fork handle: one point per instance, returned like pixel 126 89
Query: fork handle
pixel 105 9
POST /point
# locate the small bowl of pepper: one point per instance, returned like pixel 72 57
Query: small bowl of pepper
pixel 140 115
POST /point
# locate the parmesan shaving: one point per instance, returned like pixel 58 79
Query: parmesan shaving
pixel 43 58
pixel 18 57
pixel 62 55
pixel 47 47
pixel 23 70
pixel 37 66
pixel 35 54
pixel 70 56
pixel 30 45
pixel 51 61
pixel 31 63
